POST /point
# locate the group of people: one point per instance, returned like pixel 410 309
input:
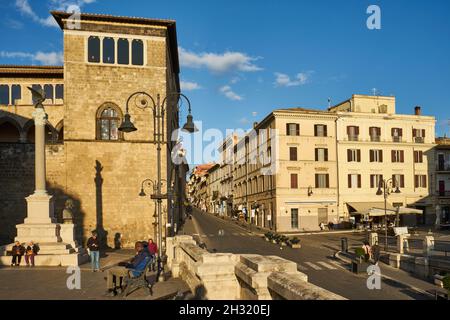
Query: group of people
pixel 371 253
pixel 330 226
pixel 19 250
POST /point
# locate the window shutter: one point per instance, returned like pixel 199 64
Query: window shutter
pixel 348 130
pixel 393 156
pixel 416 181
pixel 420 156
pixel 372 182
pixel 325 131
pixel 416 157
pixel 424 184
pixel 316 151
pixel 402 181
pixel 317 180
pixel 327 176
pixel 392 131
pixel 423 133
pixel 315 130
pixel 414 133
pixel 381 155
pixel 402 156
pixel 400 132
pixel 287 129
pixel 358 155
pixel 379 131
pixel 326 154
pixel 357 130
pixel 297 129
pixel 349 155
pixel 371 155
pixel 359 181
pixel 349 180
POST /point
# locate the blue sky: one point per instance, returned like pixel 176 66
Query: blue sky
pixel 241 59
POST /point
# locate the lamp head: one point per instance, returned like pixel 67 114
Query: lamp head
pixel 127 125
pixel 142 193
pixel 189 126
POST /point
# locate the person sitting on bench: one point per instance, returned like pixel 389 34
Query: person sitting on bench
pixel 136 266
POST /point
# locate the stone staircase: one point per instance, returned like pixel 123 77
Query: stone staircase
pixel 50 254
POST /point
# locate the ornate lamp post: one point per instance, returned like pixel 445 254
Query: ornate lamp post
pixel 144 100
pixel 385 188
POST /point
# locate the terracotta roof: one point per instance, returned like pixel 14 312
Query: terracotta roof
pixel 31 71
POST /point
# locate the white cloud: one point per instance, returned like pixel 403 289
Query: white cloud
pixel 254 113
pixel 230 94
pixel 244 121
pixel 189 86
pixel 45 58
pixel 218 63
pixel 283 80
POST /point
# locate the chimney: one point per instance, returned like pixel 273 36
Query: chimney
pixel 417 111
pixel 255 124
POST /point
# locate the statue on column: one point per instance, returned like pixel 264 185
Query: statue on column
pixel 67 214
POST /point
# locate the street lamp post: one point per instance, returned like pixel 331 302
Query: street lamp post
pixel 385 188
pixel 144 100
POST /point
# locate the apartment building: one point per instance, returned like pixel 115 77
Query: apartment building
pixel 442 182
pixel 297 190
pixel 376 143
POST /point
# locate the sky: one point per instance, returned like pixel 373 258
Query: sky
pixel 241 59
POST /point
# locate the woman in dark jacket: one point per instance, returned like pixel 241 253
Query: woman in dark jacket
pixel 17 252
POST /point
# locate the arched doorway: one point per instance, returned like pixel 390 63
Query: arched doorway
pixel 60 131
pixel 9 130
pixel 50 132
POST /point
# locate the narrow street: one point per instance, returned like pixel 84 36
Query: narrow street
pixel 315 258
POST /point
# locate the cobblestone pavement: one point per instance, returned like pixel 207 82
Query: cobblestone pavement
pixel 51 283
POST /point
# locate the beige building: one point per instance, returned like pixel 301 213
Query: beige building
pixel 375 143
pixel 106 60
pixel 326 167
pixel 300 190
pixel 441 185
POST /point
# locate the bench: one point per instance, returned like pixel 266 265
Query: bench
pixel 134 283
pixel 441 294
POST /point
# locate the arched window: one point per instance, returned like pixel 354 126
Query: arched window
pixel 4 94
pixel 94 49
pixel 123 51
pixel 137 52
pixel 48 89
pixel 16 93
pixel 108 122
pixel 108 50
pixel 9 130
pixel 59 91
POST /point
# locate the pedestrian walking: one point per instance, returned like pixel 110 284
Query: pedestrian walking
pixel 31 251
pixel 17 252
pixel 152 248
pixel 93 245
pixel 376 252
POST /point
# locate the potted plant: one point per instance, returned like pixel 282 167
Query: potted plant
pixel 446 284
pixel 283 241
pixel 359 264
pixel 268 236
pixel 294 243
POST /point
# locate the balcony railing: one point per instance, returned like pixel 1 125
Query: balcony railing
pixel 443 167
pixel 443 193
pixel 419 140
pixel 353 137
pixel 375 138
pixel 396 139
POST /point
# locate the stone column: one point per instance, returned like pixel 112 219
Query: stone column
pixel 428 245
pixel 40 203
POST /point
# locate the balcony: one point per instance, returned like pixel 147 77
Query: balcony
pixel 397 139
pixel 353 137
pixel 419 140
pixel 443 167
pixel 375 138
pixel 443 194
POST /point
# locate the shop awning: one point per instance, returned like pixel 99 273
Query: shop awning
pixel 376 209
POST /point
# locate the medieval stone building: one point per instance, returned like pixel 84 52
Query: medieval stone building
pixel 106 59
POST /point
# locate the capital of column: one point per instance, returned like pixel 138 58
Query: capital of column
pixel 40 117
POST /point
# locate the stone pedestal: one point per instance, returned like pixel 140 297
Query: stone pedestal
pixel 40 209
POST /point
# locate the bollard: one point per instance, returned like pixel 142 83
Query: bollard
pixel 344 244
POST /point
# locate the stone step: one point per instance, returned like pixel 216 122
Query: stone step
pixel 46 248
pixel 73 259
